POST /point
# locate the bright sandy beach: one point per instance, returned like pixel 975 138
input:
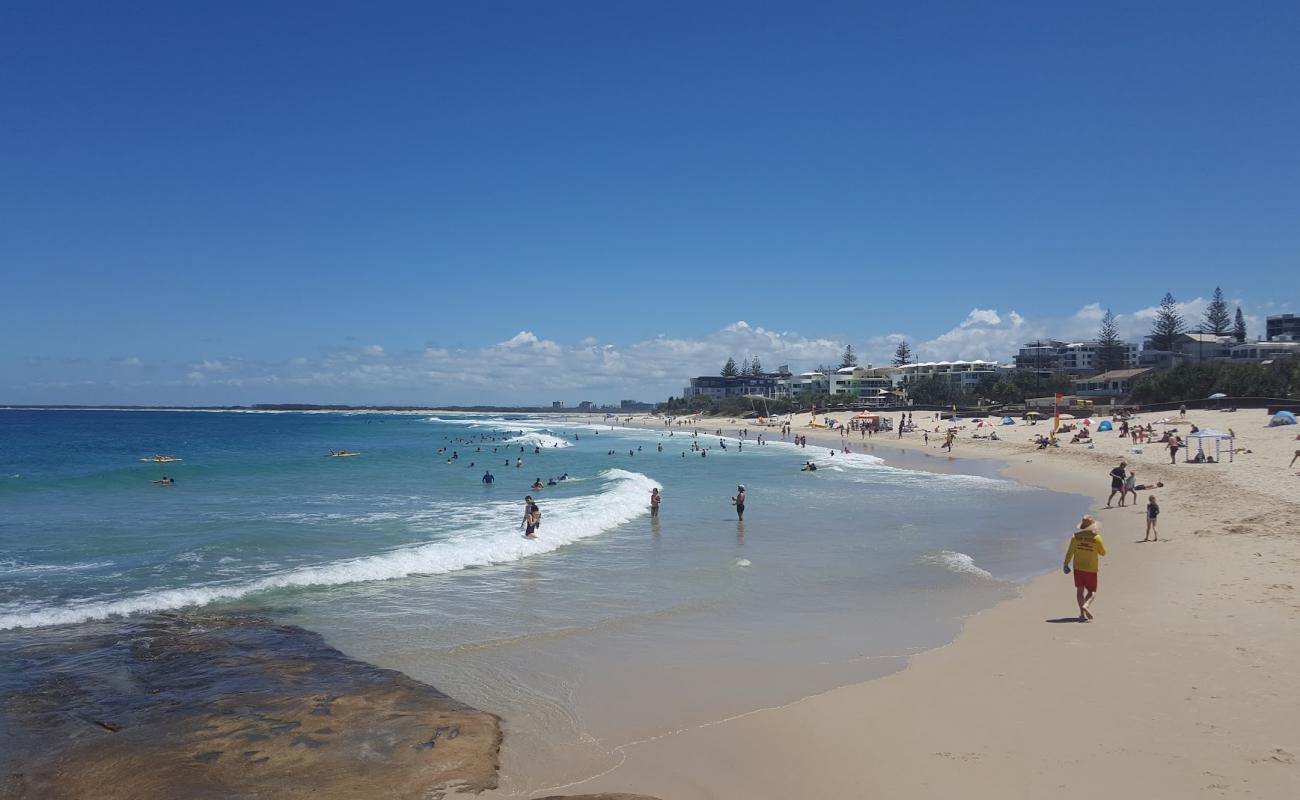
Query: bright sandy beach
pixel 1186 685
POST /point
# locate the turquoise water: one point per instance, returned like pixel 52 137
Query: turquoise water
pixel 608 628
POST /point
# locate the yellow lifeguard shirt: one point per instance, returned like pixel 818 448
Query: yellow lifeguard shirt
pixel 1084 549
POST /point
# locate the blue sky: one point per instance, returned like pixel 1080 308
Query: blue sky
pixel 345 203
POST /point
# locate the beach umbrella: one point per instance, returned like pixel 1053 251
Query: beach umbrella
pixel 1067 416
pixel 1032 414
pixel 1217 396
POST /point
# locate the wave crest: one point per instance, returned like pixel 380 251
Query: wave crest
pixel 492 541
pixel 960 563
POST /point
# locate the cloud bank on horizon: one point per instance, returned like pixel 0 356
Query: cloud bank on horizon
pixel 526 369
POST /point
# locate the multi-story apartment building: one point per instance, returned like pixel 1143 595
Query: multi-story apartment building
pixel 768 384
pixel 1076 358
pixel 961 374
pixel 1282 328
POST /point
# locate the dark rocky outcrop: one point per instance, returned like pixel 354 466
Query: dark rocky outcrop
pixel 215 706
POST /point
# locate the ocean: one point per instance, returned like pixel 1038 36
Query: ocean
pixel 609 628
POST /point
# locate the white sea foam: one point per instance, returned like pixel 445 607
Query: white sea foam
pixel 538 439
pixel 19 567
pixel 496 541
pixel 958 562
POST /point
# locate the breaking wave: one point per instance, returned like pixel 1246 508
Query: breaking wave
pixel 958 562
pixel 492 540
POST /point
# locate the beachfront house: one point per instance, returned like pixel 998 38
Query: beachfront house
pixel 1187 347
pixel 1116 384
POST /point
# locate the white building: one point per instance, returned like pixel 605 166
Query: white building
pixel 1264 351
pixel 960 374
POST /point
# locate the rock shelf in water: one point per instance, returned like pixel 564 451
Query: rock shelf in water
pixel 224 706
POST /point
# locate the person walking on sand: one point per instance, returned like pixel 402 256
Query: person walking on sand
pixel 1117 484
pixel 739 502
pixel 1153 511
pixel 1085 548
pixel 655 499
pixel 1174 444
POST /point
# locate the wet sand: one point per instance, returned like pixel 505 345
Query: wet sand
pixel 1184 686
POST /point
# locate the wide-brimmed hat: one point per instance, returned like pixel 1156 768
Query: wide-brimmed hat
pixel 741 487
pixel 1088 525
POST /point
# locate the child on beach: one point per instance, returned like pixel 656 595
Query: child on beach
pixel 1085 547
pixel 1153 511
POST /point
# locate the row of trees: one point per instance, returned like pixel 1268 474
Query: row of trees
pixel 1167 326
pixel 731 370
pixel 755 367
pixel 1200 380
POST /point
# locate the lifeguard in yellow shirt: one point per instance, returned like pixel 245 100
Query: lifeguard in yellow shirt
pixel 1085 547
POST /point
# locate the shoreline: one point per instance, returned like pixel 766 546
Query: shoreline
pixel 1177 690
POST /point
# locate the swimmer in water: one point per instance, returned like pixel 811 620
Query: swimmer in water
pixel 531 516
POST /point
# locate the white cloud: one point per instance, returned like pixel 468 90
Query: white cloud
pixel 214 365
pixel 527 368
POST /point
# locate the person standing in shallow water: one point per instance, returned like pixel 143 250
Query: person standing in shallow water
pixel 655 499
pixel 739 502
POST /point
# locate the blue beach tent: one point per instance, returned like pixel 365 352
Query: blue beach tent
pixel 1105 426
pixel 1008 421
pixel 1282 418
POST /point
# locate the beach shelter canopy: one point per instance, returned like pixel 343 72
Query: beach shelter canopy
pixel 1105 426
pixel 1200 437
pixel 866 416
pixel 1067 416
pixel 1217 396
pixel 1282 418
pixel 1008 421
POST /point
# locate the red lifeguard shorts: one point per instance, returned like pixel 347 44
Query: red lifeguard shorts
pixel 1085 580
